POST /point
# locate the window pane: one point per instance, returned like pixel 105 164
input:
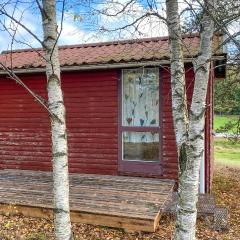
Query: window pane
pixel 140 97
pixel 143 146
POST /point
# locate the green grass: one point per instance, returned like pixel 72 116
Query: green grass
pixel 226 153
pixel 220 121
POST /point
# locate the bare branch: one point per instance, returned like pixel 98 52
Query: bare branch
pixel 4 12
pixel 220 25
pixel 119 12
pixel 147 14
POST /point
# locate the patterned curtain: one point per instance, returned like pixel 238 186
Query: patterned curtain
pixel 140 102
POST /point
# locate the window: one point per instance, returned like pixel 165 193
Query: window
pixel 142 146
pixel 140 114
pixel 140 97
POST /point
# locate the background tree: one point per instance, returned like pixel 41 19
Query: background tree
pixel 227 93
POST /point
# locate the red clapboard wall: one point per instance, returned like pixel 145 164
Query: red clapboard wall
pixel 91 103
pixel 92 120
pixel 24 126
pixel 169 160
pixel 92 116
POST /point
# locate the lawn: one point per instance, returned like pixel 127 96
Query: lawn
pixel 226 153
pixel 220 121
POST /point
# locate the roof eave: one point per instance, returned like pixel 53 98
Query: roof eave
pixel 105 66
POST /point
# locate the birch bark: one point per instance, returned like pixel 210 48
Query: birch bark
pixel 189 125
pixel 58 126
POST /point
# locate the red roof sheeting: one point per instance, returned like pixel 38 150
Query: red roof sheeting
pixel 102 53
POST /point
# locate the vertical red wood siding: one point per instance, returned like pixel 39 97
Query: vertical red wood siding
pixel 209 140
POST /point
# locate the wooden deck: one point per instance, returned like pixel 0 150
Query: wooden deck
pixel 132 203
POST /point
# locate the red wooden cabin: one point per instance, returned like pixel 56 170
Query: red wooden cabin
pixel 118 103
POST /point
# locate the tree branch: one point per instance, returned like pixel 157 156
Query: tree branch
pixel 119 12
pixel 221 26
pixel 20 24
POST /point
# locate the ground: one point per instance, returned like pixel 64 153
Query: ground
pixel 227 153
pixel 225 187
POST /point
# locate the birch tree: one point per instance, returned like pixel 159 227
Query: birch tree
pixel 55 107
pixel 58 122
pixel 189 124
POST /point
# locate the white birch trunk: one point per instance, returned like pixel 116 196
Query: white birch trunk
pixel 191 148
pixel 179 102
pixel 58 125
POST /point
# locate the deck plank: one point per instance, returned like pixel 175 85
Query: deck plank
pixel 130 202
